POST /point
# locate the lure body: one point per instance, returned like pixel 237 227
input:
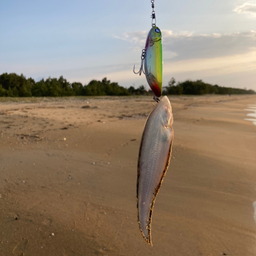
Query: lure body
pixel 154 159
pixel 153 60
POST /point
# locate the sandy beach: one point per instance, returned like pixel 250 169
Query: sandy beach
pixel 68 173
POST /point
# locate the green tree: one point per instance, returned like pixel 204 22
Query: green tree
pixel 3 92
pixel 77 88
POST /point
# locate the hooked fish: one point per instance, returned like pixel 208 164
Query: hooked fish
pixel 154 159
pixel 151 58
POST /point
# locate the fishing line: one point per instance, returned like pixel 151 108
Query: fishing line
pixel 153 15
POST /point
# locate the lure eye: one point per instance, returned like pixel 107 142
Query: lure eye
pixel 157 30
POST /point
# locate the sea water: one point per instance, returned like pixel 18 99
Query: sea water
pixel 254 214
pixel 252 115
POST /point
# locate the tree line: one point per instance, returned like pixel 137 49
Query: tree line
pixel 199 87
pixel 13 85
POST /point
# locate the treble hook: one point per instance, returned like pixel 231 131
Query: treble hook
pixel 141 70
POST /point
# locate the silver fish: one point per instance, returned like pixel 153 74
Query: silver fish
pixel 154 159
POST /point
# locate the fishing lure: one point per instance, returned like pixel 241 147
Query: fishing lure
pixel 154 159
pixel 157 137
pixel 151 58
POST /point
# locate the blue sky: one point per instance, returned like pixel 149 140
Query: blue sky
pixel 84 40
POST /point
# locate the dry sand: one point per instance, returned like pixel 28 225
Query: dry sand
pixel 68 170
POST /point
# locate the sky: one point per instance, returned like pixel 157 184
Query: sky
pixel 212 40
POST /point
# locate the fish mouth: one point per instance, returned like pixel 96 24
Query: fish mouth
pixel 154 40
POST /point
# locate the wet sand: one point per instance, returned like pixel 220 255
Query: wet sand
pixel 68 170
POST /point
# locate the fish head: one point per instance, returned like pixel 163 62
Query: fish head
pixel 155 34
pixel 167 116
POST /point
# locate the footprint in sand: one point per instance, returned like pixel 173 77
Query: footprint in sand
pixel 19 249
pixel 47 222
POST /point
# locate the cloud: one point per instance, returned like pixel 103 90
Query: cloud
pixel 218 65
pixel 209 45
pixel 246 8
pixel 187 45
pixel 136 37
pixel 212 57
pixel 204 68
